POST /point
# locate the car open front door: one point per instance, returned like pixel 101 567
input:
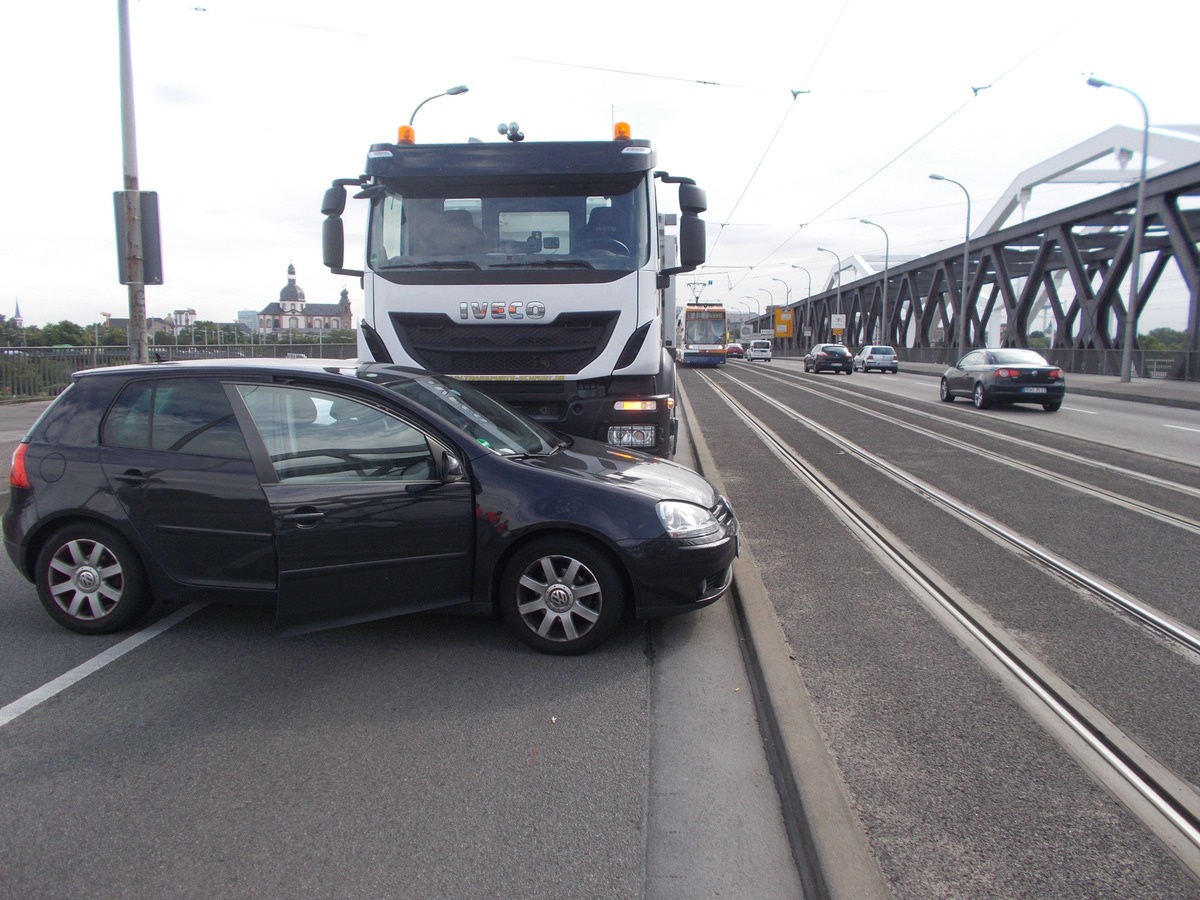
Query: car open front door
pixel 364 526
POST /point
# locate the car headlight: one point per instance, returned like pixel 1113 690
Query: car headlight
pixel 686 520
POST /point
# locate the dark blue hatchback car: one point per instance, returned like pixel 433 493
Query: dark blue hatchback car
pixel 339 494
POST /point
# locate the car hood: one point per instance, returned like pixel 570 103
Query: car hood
pixel 656 478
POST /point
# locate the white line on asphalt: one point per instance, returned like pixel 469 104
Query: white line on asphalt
pixel 1182 428
pixel 1086 411
pixel 62 682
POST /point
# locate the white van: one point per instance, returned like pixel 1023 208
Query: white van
pixel 759 349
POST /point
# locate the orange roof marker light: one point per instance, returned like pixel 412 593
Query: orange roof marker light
pixel 622 131
pixel 406 135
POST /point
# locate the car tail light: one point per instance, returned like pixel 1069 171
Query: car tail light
pixel 1007 373
pixel 17 476
pixel 1056 374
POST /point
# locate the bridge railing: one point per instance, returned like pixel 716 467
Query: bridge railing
pixel 32 373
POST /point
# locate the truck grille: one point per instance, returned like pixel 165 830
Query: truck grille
pixel 561 347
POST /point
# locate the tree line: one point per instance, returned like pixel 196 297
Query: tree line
pixel 67 333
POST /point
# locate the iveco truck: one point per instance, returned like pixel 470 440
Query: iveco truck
pixel 541 271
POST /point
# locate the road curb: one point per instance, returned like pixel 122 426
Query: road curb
pixel 831 849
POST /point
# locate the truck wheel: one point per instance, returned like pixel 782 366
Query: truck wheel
pixel 561 595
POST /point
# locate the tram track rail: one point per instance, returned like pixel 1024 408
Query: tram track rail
pixel 1167 805
pixel 802 383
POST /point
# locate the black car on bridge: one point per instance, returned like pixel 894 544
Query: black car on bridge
pixel 1005 375
pixel 337 494
pixel 829 358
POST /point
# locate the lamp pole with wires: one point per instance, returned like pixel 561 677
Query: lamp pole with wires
pixel 885 325
pixel 962 304
pixel 1138 220
pixel 839 275
pixel 808 302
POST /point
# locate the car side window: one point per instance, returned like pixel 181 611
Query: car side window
pixel 183 415
pixel 313 435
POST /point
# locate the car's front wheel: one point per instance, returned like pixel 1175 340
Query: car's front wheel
pixel 561 595
pixel 90 580
pixel 945 393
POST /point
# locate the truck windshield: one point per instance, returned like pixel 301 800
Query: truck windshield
pixel 477 224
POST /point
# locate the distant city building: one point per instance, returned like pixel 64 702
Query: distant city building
pixel 154 325
pixel 292 313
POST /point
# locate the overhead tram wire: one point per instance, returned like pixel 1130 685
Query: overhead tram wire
pixel 975 91
pixel 771 143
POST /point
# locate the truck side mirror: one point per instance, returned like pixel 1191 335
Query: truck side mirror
pixel 693 248
pixel 333 241
pixel 334 202
pixel 692 199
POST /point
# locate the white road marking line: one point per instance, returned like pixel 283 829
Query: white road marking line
pixel 1182 428
pixel 62 682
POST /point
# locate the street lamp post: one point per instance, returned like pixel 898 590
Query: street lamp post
pixel 407 134
pixel 885 324
pixel 770 302
pixel 757 305
pixel 787 300
pixel 1138 214
pixel 962 301
pixel 839 277
pixel 808 303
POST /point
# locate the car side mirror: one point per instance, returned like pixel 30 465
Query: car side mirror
pixel 450 469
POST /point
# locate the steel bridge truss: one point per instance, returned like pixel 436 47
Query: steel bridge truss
pixel 1072 264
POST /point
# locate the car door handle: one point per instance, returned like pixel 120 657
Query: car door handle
pixel 131 477
pixel 304 518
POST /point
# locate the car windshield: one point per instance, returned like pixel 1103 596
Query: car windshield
pixel 1018 357
pixel 485 420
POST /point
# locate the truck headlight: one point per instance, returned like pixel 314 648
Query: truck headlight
pixel 686 520
pixel 632 435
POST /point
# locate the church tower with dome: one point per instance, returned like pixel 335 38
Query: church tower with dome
pixel 293 314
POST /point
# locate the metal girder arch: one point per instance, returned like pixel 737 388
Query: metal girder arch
pixel 1083 250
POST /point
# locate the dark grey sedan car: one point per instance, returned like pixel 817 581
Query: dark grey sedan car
pixel 337 494
pixel 1005 376
pixel 829 358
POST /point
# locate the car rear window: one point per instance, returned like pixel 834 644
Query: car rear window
pixel 883 351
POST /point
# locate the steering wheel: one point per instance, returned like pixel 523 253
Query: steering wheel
pixel 612 245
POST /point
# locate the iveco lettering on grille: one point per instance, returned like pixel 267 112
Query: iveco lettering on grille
pixel 501 310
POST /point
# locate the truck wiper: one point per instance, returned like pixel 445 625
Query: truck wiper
pixel 435 264
pixel 545 263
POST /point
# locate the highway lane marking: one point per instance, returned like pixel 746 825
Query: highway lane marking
pixel 40 695
pixel 1088 412
pixel 1182 428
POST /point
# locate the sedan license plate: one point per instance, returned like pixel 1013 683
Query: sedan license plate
pixel 1033 390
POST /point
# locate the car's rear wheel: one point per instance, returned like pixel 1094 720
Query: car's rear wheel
pixel 90 580
pixel 561 595
pixel 1052 405
pixel 944 392
pixel 980 397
